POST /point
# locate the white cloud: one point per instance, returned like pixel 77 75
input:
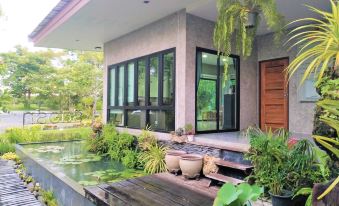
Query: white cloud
pixel 20 19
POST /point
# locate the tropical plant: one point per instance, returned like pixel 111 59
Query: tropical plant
pixel 332 108
pixel 154 159
pixel 146 138
pixel 130 159
pixel 318 40
pixel 49 198
pixel 232 23
pixel 189 129
pixel 240 195
pixel 281 165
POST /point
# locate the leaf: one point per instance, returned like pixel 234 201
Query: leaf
pixel 303 191
pixel 256 192
pixel 328 190
pixel 245 194
pixel 226 195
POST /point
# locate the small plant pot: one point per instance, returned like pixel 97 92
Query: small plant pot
pixel 282 200
pixel 172 160
pixel 190 137
pixel 191 165
pixel 252 17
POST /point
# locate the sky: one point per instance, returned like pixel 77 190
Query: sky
pixel 20 19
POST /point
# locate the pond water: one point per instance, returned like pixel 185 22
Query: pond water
pixel 72 159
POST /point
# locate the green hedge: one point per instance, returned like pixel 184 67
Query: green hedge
pixel 36 134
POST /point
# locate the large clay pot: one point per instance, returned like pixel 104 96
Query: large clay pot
pixel 172 160
pixel 191 165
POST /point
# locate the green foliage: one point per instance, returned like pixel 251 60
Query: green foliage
pixel 49 198
pixel 5 100
pixel 146 139
pixel 240 195
pixel 36 134
pixel 34 79
pixel 130 159
pixel 231 26
pixel 306 191
pixel 279 165
pixel 189 129
pixel 318 41
pixel 154 159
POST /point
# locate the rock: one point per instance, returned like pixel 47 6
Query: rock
pixel 30 187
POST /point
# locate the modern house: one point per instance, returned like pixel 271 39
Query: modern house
pixel 162 70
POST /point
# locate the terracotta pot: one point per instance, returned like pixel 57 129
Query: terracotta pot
pixel 172 160
pixel 191 165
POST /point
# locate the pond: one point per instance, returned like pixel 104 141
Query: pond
pixel 72 159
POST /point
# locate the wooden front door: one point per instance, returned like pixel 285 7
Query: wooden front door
pixel 273 94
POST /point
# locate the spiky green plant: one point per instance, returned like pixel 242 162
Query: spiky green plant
pixel 318 40
pixel 231 25
pixel 154 159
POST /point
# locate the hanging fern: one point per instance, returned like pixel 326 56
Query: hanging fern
pixel 231 26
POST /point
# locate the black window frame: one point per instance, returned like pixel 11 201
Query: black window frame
pixel 147 107
pixel 237 127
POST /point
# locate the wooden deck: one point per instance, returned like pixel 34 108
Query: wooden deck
pixel 159 189
pixel 12 190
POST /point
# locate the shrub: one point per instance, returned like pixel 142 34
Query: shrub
pixel 49 198
pixel 10 156
pixel 5 146
pixel 146 139
pixel 279 165
pixel 130 159
pixel 154 159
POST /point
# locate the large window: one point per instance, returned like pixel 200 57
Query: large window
pixel 141 92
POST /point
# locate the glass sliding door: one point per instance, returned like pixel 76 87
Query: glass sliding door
pixel 207 92
pixel 228 94
pixel 217 92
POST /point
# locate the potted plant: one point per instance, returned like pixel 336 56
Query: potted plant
pixel 238 20
pixel 191 165
pixel 179 135
pixel 240 195
pixel 172 160
pixel 189 132
pixel 284 166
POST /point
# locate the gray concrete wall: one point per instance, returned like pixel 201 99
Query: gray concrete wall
pixel 186 32
pixel 300 113
pixel 200 34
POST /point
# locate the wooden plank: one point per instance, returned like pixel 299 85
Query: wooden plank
pixel 143 196
pixel 190 195
pixel 233 165
pixel 156 192
pixel 223 178
pixel 165 194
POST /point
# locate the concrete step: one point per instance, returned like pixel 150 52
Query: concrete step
pixel 224 178
pixel 234 165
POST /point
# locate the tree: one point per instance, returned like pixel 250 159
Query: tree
pixel 26 72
